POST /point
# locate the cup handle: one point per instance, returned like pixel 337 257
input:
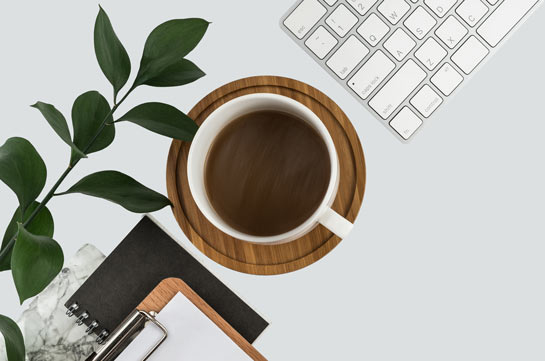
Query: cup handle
pixel 336 223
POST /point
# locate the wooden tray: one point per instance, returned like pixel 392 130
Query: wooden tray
pixel 269 259
pixel 168 288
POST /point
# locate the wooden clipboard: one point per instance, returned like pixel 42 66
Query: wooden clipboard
pixel 168 288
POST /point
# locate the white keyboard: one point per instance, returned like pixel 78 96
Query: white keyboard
pixel 403 59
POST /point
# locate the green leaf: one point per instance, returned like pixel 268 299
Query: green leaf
pixel 121 189
pixel 162 119
pixel 88 114
pixel 42 224
pixel 111 55
pixel 167 45
pixel 15 344
pixel 22 169
pixel 57 121
pixel 180 73
pixel 35 262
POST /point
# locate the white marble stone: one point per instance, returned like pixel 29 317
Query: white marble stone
pixel 49 334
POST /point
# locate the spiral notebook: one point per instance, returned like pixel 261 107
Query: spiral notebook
pixel 145 257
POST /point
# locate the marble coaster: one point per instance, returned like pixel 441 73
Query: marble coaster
pixel 49 334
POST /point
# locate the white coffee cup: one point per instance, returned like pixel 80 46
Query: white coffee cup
pixel 234 109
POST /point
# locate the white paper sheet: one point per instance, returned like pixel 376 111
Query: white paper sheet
pixel 191 336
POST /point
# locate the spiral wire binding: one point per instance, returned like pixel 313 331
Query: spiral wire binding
pixel 92 327
pixel 82 318
pixel 73 308
pixel 102 336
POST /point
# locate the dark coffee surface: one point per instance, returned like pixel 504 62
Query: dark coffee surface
pixel 267 172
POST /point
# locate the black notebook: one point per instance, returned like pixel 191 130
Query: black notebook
pixel 143 259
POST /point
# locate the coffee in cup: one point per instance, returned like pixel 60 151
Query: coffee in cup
pixel 267 172
pixel 263 168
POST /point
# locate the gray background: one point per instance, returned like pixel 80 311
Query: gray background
pixel 446 259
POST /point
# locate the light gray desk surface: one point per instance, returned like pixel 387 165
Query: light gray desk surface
pixel 446 261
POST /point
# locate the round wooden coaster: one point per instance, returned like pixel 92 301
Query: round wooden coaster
pixel 269 259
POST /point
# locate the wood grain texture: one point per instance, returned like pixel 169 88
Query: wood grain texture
pixel 168 288
pixel 269 259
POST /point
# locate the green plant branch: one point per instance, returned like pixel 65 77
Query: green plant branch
pixel 163 64
pixel 63 176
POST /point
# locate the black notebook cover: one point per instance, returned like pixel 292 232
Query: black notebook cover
pixel 143 259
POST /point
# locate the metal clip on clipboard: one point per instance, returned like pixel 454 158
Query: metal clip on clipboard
pixel 128 330
pixel 125 334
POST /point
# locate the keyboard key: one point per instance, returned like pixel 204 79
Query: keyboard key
pixel 331 2
pixel 321 42
pixel 394 10
pixel 451 32
pixel 362 6
pixel 440 7
pixel 420 22
pixel 472 11
pixel 373 30
pixel 371 74
pixel 406 123
pixel 431 54
pixel 504 19
pixel 470 55
pixel 399 44
pixel 341 20
pixel 397 89
pixel 304 17
pixel 426 101
pixel 347 57
pixel 447 79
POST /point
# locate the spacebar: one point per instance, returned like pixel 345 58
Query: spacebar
pixel 504 19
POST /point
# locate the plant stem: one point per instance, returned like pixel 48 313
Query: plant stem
pixel 4 252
